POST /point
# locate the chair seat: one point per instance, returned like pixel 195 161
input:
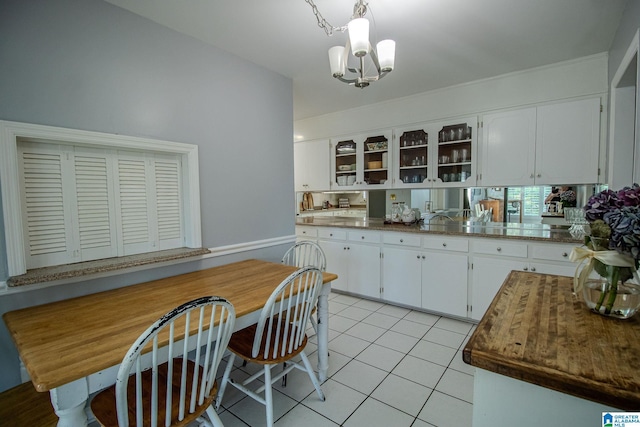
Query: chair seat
pixel 241 344
pixel 103 404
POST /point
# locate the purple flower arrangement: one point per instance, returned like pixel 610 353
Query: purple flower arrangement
pixel 615 215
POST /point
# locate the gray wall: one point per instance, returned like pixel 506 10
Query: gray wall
pixel 86 64
pixel 626 30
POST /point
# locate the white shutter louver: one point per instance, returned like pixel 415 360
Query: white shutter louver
pixel 43 198
pixel 167 176
pixel 93 202
pixel 133 201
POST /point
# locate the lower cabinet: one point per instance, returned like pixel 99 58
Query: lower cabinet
pixel 402 276
pixel 444 282
pixel 487 276
pixel 357 265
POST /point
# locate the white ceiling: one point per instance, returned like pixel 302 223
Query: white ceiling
pixel 439 43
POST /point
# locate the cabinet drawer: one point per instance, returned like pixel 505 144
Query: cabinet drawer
pixel 502 248
pixel 552 252
pixel 364 236
pixel 401 239
pixel 307 232
pixel 446 244
pixel 332 234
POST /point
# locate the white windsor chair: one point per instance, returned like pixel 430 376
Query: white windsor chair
pixel 306 253
pixel 157 383
pixel 278 336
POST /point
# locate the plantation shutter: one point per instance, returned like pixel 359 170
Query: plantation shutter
pixel 136 216
pixel 46 207
pixel 168 202
pixel 94 194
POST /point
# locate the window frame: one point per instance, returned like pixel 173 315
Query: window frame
pixel 11 132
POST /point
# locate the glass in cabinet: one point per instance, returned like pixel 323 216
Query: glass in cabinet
pixel 455 154
pixel 362 162
pixel 413 158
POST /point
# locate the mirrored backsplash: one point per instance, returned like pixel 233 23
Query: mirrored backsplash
pixel 534 205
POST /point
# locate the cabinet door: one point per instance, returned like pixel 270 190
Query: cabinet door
pixel 444 283
pixel 311 165
pixel 455 153
pixel 402 276
pixel 377 160
pixel 412 157
pixel 568 142
pixel 364 270
pixel 508 148
pixel 487 277
pixel 336 252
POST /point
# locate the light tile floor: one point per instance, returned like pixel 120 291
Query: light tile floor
pixel 388 366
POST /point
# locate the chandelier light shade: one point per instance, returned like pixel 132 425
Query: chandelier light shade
pixel 382 58
pixel 359 36
pixel 386 54
pixel 336 61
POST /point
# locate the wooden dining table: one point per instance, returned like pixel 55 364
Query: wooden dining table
pixel 72 348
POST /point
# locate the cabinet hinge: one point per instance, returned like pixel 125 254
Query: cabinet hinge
pixel 480 124
pixel 601 109
pixel 381 255
pixel 471 266
pixel 598 171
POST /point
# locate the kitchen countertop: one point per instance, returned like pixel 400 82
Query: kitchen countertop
pixel 541 232
pixel 536 330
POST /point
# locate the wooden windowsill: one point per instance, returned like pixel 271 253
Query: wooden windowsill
pixel 70 271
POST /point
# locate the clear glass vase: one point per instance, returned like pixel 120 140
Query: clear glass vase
pixel 621 303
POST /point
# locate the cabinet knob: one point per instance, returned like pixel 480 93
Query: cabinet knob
pixel 526 268
pixel 499 249
pixel 539 175
pixel 417 256
pixel 362 237
pixel 401 240
pixel 304 232
pixel 330 234
pixel 564 254
pixel 533 269
pixel 531 176
pixel 444 245
pixel 423 257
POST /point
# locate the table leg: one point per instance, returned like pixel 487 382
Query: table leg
pixel 323 332
pixel 69 401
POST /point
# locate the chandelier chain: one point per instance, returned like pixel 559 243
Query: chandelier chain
pixel 323 23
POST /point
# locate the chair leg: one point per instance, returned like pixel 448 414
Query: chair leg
pixel 312 375
pixel 268 395
pixel 225 380
pixel 213 417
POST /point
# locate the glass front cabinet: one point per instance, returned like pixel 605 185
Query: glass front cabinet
pixel 436 155
pixel 362 161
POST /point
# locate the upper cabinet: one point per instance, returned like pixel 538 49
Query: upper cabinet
pixel 311 165
pixel 546 145
pixel 361 162
pixel 435 155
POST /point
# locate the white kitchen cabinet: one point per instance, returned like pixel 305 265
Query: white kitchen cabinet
pixel 361 162
pixel 435 155
pixel 402 275
pixel 507 148
pixel 487 276
pixel 356 264
pixel 545 145
pixel 567 142
pixel 445 275
pixel 494 259
pixel 311 165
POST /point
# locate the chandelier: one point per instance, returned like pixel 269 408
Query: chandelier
pixel 382 57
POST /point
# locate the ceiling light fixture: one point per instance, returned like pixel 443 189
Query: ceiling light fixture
pixel 383 57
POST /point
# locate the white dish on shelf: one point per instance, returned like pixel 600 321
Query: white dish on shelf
pixel 344 167
pixel 345 150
